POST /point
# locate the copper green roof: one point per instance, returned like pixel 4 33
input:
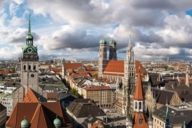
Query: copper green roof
pixel 24 123
pixel 102 42
pixel 57 122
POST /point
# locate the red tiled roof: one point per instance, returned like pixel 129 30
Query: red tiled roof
pixel 40 115
pixel 6 71
pixel 116 67
pixel 56 70
pixel 30 97
pixel 138 94
pixel 138 117
pixel 72 65
pixel 97 88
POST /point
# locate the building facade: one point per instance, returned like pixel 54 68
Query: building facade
pixel 29 63
pixel 121 71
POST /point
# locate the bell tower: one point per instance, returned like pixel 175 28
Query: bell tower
pixel 29 63
pixel 112 50
pixel 102 57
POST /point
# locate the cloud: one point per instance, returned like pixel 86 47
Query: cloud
pixel 73 11
pixel 160 27
pixel 15 36
pixel 70 37
pixel 10 52
pixel 171 5
pixel 177 31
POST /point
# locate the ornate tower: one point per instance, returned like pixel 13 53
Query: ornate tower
pixel 139 116
pixel 30 64
pixel 129 79
pixel 102 57
pixel 112 50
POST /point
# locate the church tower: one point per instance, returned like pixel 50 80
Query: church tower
pixel 129 79
pixel 102 57
pixel 138 104
pixel 29 63
pixel 112 50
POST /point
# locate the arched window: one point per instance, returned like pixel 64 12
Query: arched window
pixel 29 67
pixel 34 67
pixel 24 67
pixel 139 105
pixel 135 105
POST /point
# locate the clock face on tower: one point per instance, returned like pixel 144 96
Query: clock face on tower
pixel 29 50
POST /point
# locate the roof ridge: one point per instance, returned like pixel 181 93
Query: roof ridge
pixel 35 113
pixel 39 111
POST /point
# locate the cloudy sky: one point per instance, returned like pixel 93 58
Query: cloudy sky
pixel 71 29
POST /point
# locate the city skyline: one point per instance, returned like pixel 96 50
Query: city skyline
pixel 72 29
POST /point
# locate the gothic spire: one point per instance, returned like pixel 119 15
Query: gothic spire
pixel 129 44
pixel 29 27
pixel 29 38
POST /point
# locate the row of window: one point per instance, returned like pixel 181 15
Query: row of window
pixel 158 122
pixel 29 67
pixel 137 105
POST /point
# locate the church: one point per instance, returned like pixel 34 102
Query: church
pixel 129 75
pixel 120 71
pixel 29 62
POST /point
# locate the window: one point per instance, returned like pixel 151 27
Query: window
pixel 135 105
pixel 32 75
pixel 139 105
pixel 29 67
pixel 34 67
pixel 24 67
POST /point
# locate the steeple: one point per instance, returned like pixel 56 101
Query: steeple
pixel 29 27
pixel 29 63
pixel 29 37
pixel 130 46
pixel 140 120
pixel 138 95
pixel 129 78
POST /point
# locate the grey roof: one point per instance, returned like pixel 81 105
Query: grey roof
pixel 175 116
pixel 163 96
pixel 85 108
pixel 185 93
